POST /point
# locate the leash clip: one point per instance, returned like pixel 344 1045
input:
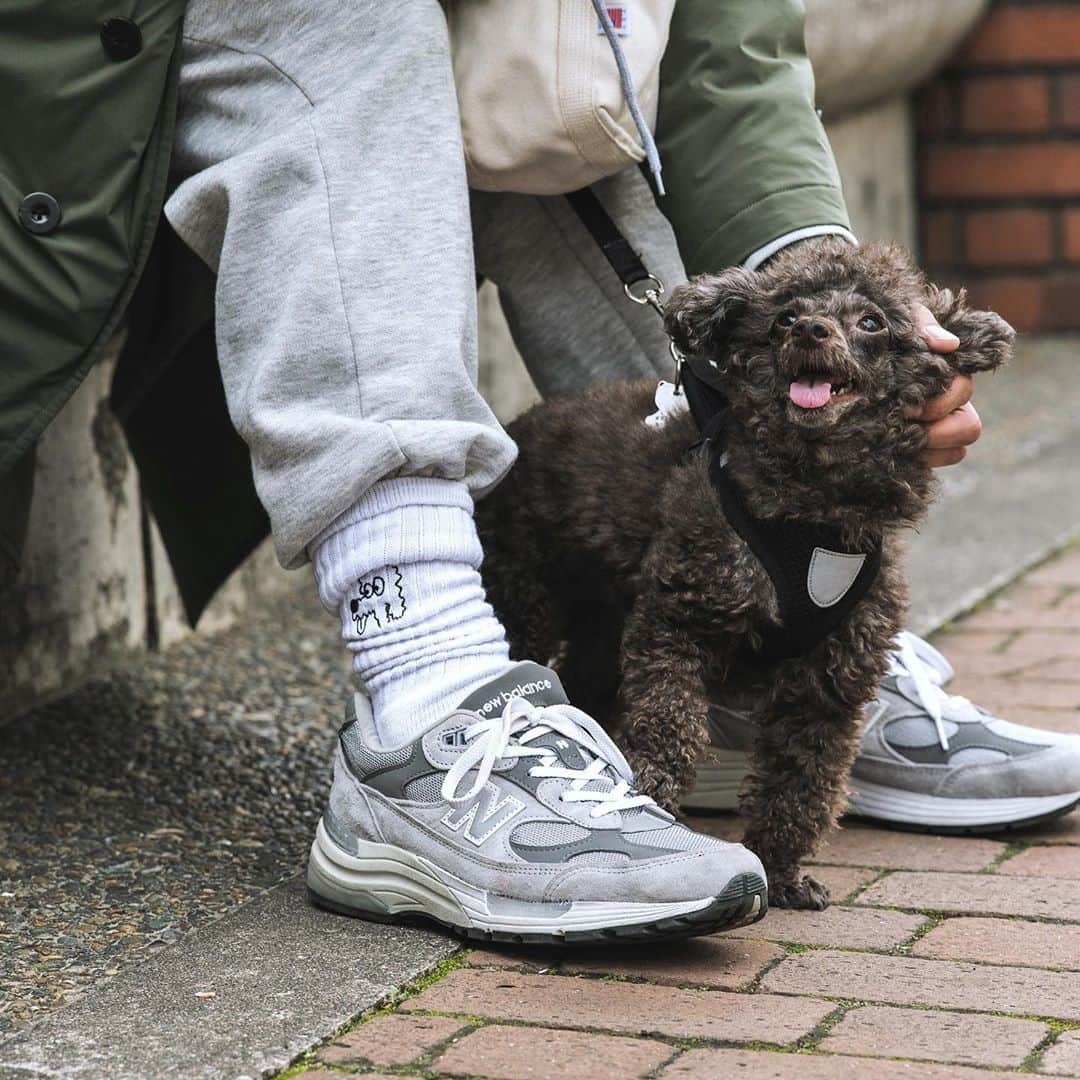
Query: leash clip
pixel 651 295
pixel 678 359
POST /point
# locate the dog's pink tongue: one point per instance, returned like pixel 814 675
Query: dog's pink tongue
pixel 810 393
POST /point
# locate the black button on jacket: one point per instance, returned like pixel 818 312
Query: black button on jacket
pixel 121 38
pixel 39 213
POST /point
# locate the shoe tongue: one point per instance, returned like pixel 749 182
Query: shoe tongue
pixel 573 757
pixel 533 682
pixel 899 691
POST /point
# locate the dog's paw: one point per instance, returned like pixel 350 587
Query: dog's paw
pixel 805 893
pixel 661 785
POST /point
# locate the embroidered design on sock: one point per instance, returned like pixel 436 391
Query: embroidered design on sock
pixel 367 606
pixel 399 587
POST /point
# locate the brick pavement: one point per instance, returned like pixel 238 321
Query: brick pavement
pixel 942 958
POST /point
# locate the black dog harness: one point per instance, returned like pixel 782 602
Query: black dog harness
pixel 818 580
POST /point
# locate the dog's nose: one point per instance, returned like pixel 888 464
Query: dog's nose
pixel 809 331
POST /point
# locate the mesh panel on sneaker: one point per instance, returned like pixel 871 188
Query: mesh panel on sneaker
pixel 425 788
pixel 599 783
pixel 675 838
pixel 977 755
pixel 599 858
pixel 916 731
pixel 548 833
pixel 366 761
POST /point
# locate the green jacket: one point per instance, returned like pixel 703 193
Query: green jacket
pixel 83 172
pixel 89 91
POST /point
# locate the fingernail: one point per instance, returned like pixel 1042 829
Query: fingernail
pixel 939 333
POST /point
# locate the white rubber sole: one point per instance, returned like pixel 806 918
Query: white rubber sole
pixel 718 780
pixel 933 811
pixel 382 881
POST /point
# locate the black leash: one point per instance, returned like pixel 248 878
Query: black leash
pixel 706 403
pixel 624 260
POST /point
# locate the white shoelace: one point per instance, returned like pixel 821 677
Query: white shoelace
pixel 905 660
pixel 520 724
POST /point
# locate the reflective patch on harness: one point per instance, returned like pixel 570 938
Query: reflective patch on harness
pixel 831 574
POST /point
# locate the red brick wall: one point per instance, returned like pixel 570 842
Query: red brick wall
pixel 999 165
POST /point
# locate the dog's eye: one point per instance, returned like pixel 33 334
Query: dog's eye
pixel 786 318
pixel 871 324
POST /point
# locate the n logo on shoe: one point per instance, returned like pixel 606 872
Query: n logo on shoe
pixel 484 816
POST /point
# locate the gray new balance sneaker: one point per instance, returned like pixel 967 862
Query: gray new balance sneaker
pixel 928 760
pixel 514 819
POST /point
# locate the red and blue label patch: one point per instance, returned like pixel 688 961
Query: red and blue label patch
pixel 619 16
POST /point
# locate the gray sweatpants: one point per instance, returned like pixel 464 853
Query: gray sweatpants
pixel 320 174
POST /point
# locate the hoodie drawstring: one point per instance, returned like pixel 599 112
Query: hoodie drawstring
pixel 652 155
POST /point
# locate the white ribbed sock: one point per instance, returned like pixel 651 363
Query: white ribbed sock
pixel 401 567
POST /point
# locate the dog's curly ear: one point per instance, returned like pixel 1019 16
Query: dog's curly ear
pixel 700 315
pixel 985 337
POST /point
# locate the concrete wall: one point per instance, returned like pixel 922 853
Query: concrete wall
pixel 81 602
pixel 875 153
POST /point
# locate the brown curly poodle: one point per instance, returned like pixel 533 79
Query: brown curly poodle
pixel 655 563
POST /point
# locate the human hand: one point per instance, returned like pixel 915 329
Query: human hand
pixel 951 422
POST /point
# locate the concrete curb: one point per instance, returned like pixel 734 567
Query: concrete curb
pixel 1016 501
pixel 284 977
